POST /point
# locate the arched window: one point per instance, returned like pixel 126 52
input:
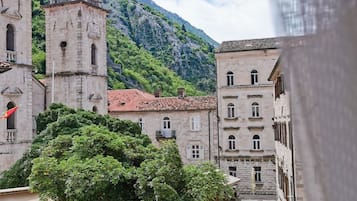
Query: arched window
pixel 10 38
pixel 230 110
pixel 230 78
pixel 255 110
pixel 231 142
pixel 10 121
pixel 254 77
pixel 95 109
pixel 166 123
pixel 141 123
pixel 93 55
pixel 256 142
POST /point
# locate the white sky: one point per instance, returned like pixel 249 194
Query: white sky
pixel 227 19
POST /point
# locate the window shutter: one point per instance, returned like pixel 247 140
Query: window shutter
pixel 202 152
pixel 197 123
pixel 282 86
pixel 188 151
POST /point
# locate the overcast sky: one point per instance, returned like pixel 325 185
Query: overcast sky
pixel 227 19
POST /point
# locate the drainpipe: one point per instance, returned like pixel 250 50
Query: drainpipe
pixel 209 134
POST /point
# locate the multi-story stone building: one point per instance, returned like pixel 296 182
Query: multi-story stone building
pixel 245 111
pixel 17 85
pixel 289 169
pixel 191 121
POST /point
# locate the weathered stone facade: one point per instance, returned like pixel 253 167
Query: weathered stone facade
pixel 193 127
pixel 16 84
pixel 288 168
pixel 245 99
pixel 76 50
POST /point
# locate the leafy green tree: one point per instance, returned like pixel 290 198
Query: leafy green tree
pixel 81 155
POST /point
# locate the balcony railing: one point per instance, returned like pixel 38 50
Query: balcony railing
pixel 11 56
pixel 166 134
pixel 11 135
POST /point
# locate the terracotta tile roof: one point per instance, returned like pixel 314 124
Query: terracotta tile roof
pixel 247 45
pixel 136 100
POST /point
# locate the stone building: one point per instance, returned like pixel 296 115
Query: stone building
pixel 191 121
pixel 245 99
pixel 76 54
pixel 16 81
pixel 288 167
pixel 76 67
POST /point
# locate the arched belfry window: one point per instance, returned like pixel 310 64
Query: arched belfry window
pixel 10 121
pixel 10 38
pixel 93 55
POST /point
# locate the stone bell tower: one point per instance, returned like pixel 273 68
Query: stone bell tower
pixel 76 69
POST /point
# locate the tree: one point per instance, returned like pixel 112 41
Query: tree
pixel 81 155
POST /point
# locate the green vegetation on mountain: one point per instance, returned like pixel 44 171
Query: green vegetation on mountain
pixel 190 56
pixel 165 56
pixel 175 18
pixel 80 155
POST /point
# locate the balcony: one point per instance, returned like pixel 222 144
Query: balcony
pixel 165 134
pixel 10 56
pixel 11 135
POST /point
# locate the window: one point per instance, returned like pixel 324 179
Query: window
pixel 141 123
pixel 279 86
pixel 232 142
pixel 255 110
pixel 93 55
pixel 230 110
pixel 10 38
pixel 166 123
pixel 256 142
pixel 95 109
pixel 195 123
pixel 232 171
pixel 254 77
pixel 258 174
pixel 195 151
pixel 230 79
pixel 10 121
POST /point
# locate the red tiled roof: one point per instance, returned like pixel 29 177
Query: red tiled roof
pixel 136 100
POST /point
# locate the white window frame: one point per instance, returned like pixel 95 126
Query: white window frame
pixel 232 171
pixel 141 123
pixel 166 123
pixel 195 123
pixel 258 174
pixel 256 142
pixel 255 110
pixel 254 77
pixel 195 151
pixel 230 78
pixel 232 142
pixel 230 110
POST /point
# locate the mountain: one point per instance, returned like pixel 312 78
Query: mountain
pixel 146 50
pixel 176 18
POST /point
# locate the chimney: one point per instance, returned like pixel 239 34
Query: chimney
pixel 181 92
pixel 157 93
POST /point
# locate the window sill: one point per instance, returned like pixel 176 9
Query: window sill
pixel 255 118
pixel 231 118
pixel 259 183
pixel 232 150
pixel 256 150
